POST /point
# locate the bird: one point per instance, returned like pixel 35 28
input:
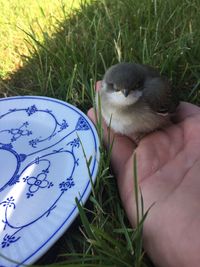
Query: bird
pixel 135 99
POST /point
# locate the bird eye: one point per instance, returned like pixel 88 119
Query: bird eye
pixel 110 86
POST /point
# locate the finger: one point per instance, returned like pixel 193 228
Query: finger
pixel 185 110
pixel 122 146
pixel 98 85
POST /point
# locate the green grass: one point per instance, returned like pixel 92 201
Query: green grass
pixel 39 16
pixel 65 61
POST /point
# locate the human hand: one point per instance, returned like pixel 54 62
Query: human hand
pixel 168 167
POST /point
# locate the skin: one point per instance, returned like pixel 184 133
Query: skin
pixel 168 167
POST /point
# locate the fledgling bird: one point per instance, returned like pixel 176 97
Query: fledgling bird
pixel 135 99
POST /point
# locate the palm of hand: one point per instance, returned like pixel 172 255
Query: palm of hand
pixel 166 161
pixel 168 167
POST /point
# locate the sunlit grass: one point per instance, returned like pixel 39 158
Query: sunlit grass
pixel 38 16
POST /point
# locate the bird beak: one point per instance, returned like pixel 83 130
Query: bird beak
pixel 125 92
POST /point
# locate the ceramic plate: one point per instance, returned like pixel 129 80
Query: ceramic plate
pixel 44 144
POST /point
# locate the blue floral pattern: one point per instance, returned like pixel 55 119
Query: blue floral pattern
pixel 31 110
pixel 36 163
pixel 16 133
pixel 8 240
pixel 8 203
pixel 37 182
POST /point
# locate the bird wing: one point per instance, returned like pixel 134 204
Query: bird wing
pixel 158 95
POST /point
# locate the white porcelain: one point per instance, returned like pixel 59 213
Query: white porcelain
pixel 42 170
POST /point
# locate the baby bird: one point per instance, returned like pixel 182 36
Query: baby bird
pixel 135 99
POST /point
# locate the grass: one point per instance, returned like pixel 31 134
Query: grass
pixel 63 56
pixel 38 16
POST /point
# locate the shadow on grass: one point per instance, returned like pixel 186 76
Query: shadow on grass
pixel 65 64
pixel 103 33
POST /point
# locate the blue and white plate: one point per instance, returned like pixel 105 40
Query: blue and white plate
pixel 45 145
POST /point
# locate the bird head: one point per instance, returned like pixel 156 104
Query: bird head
pixel 123 82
